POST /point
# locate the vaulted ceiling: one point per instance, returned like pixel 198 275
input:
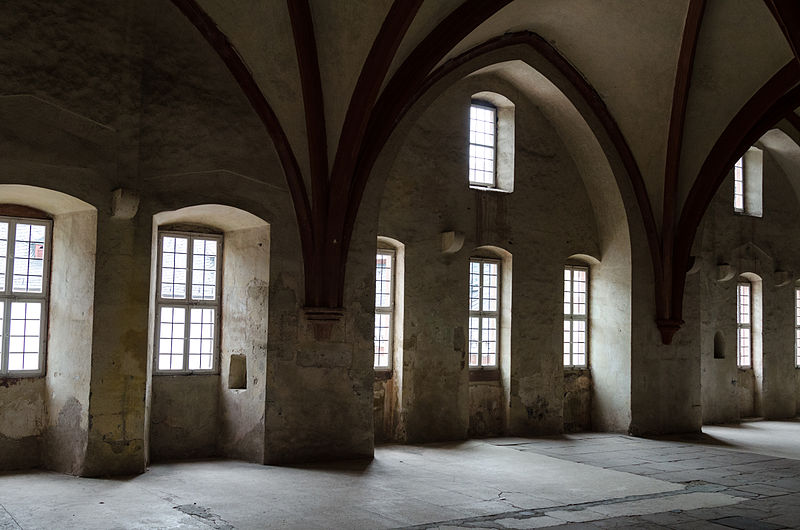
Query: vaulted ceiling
pixel 681 86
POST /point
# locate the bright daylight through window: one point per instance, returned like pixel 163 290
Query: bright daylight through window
pixel 24 268
pixel 484 305
pixel 482 144
pixel 384 307
pixel 188 301
pixel 576 311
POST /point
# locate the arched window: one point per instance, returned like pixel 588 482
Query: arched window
pixel 576 316
pixel 748 182
pixel 388 331
pixel 482 144
pixel 484 312
pixel 384 307
pixel 209 311
pixel 744 320
pixel 491 142
pixel 24 287
pixel 188 301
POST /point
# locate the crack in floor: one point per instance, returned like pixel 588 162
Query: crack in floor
pixel 3 524
pixel 489 521
pixel 205 516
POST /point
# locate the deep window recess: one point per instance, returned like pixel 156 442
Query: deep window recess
pixel 482 145
pixel 384 308
pixel 576 311
pixel 484 312
pixel 738 186
pixel 797 327
pixel 24 284
pixel 744 339
pixel 188 302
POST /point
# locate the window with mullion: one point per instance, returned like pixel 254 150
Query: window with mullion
pixel 384 308
pixel 744 339
pixel 484 312
pixel 24 285
pixel 576 312
pixel 482 144
pixel 797 327
pixel 188 309
pixel 738 186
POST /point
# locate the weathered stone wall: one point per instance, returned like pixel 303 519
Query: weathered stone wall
pixel 759 245
pixel 577 401
pixel 101 97
pixel 542 223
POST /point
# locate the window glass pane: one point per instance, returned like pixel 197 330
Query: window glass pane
pixel 24 337
pixel 738 185
pixel 3 254
pixel 383 280
pixel 382 339
pixel 482 127
pixel 28 266
pixel 174 258
pixel 204 269
pixel 201 338
pixel 576 309
pixel 488 341
pixel 172 330
pixel 474 340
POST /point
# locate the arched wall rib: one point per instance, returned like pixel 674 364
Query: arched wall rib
pixel 316 130
pixel 680 97
pixel 766 108
pixel 399 90
pixel 787 15
pixel 294 178
pixel 379 132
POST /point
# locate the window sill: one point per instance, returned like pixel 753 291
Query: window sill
pixel 745 368
pixel 478 374
pixel 382 374
pixel 488 188
pixel 180 374
pixel 757 215
pixel 576 370
pixel 7 380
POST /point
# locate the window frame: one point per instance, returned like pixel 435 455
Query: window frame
pixel 480 314
pixel 7 297
pixel 797 327
pixel 571 317
pixel 744 326
pixel 385 310
pixel 188 303
pixel 739 184
pixel 479 103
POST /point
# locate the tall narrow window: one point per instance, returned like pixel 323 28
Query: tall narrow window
pixel 384 308
pixel 797 327
pixel 188 309
pixel 482 144
pixel 744 340
pixel 484 304
pixel 576 312
pixel 738 186
pixel 24 270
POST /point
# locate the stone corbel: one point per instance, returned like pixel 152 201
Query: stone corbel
pixel 725 272
pixel 124 204
pixel 782 278
pixel 452 242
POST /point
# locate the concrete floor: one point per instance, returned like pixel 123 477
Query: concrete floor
pixel 745 476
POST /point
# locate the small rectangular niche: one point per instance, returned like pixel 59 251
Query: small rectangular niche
pixel 237 375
